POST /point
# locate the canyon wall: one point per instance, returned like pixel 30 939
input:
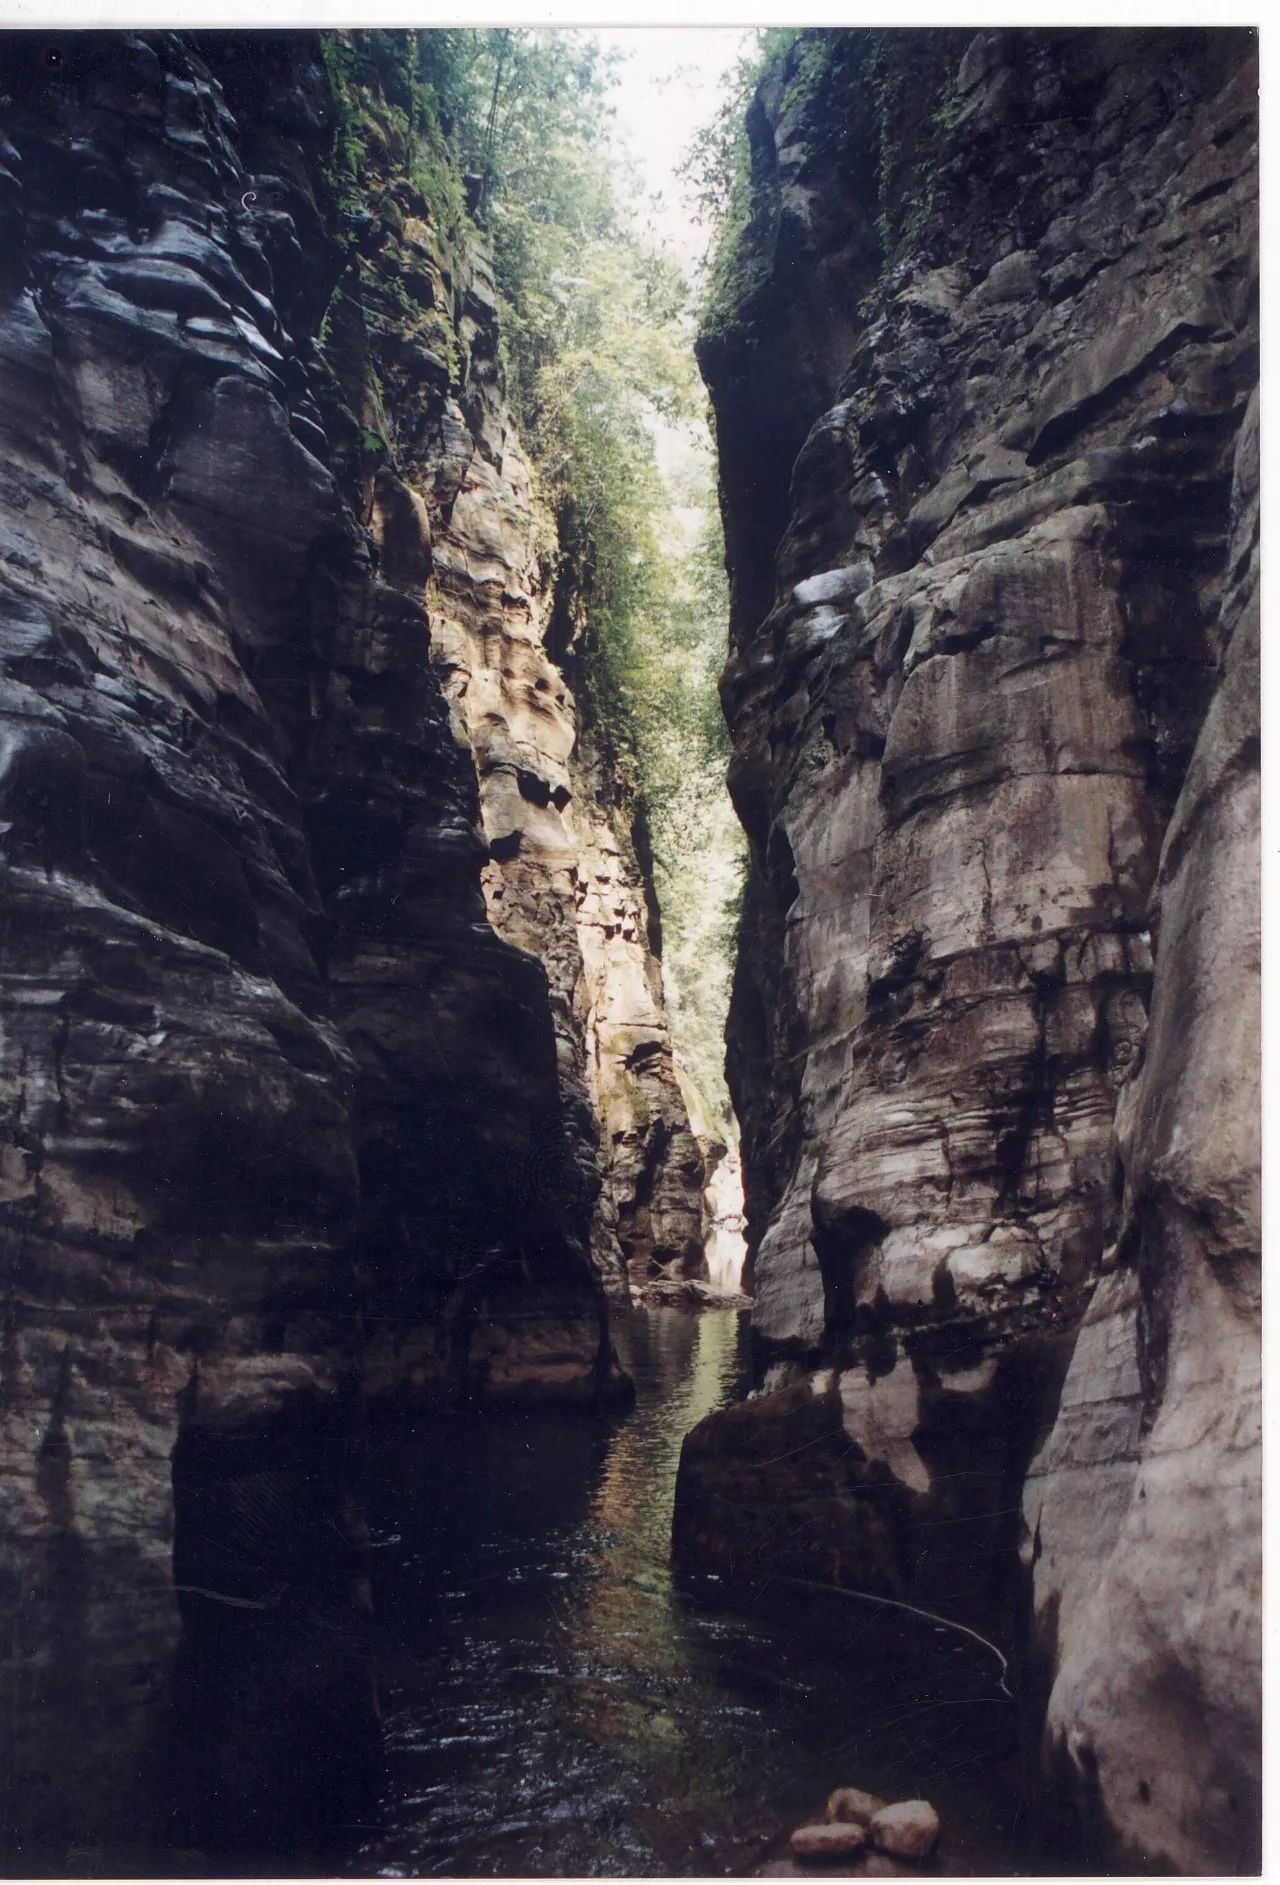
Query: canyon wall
pixel 982 380
pixel 568 878
pixel 570 875
pixel 294 1135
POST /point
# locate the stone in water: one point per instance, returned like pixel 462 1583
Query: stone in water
pixel 909 1829
pixel 834 1841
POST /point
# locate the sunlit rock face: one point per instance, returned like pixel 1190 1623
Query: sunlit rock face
pixel 570 879
pixel 455 515
pixel 994 1038
pixel 282 1121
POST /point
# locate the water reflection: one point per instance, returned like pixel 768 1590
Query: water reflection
pixel 555 1706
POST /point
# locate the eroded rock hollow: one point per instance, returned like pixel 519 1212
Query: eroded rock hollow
pixel 984 395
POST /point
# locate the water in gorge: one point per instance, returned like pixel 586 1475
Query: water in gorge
pixel 555 1705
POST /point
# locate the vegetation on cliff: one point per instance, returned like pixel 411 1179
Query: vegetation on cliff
pixel 507 134
pixel 877 101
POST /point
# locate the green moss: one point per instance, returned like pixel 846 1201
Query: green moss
pixel 879 103
pixel 342 170
pixel 910 79
pixel 387 118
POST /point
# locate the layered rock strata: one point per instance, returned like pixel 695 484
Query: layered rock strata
pixel 994 723
pixel 453 504
pixel 570 876
pixel 283 1134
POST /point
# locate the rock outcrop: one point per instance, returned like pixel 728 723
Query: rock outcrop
pixel 979 404
pixel 453 504
pixel 284 1134
pixel 570 877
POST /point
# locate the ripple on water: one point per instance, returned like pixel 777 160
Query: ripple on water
pixel 555 1706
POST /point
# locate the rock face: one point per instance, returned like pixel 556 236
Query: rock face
pixel 452 503
pixel 994 1041
pixel 570 877
pixel 1144 1503
pixel 283 1130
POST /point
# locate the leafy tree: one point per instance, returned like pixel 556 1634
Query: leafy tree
pixel 513 129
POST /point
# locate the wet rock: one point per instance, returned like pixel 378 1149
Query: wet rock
pixel 851 1803
pixel 833 1840
pixel 908 1830
pixel 283 1120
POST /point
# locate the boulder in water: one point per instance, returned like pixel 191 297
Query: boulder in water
pixel 851 1804
pixel 909 1830
pixel 836 1840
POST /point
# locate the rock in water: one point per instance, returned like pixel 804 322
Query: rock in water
pixel 852 1805
pixel 837 1840
pixel 908 1830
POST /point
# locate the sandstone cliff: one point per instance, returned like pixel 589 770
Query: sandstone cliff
pixel 454 503
pixel 980 385
pixel 291 1129
pixel 569 879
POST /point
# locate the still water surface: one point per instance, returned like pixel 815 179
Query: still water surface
pixel 555 1706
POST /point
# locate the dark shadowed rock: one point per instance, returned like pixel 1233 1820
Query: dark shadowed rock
pixel 283 1123
pixel 994 1039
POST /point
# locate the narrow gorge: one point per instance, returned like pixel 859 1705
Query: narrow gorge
pixel 396 1480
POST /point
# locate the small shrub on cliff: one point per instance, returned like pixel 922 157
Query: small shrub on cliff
pixel 597 354
pixel 876 102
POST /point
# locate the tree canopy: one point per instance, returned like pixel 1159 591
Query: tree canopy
pixel 513 129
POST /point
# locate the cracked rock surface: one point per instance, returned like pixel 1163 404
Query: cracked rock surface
pixel 994 1037
pixel 283 1131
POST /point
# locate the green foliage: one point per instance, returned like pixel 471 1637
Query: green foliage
pixel 699 846
pixel 597 353
pixel 596 344
pixel 909 78
pixel 530 124
pixel 600 369
pixel 719 173
pixel 880 100
pixel 388 89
